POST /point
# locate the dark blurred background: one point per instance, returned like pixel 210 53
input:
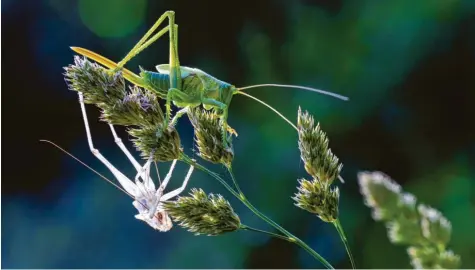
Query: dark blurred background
pixel 407 66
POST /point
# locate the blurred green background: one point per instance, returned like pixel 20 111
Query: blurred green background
pixel 407 66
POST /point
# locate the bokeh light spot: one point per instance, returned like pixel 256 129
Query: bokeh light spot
pixel 112 18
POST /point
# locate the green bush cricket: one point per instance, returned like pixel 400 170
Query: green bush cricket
pixel 184 86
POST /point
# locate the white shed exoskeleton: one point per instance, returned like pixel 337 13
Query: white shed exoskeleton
pixel 147 198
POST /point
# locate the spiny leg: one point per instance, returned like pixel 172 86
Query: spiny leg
pixel 179 190
pixel 224 117
pixel 134 51
pixel 175 73
pixel 126 183
pixel 231 130
pixel 174 62
pixel 175 76
pixel 213 103
pixel 168 108
pixel 224 127
pixel 178 114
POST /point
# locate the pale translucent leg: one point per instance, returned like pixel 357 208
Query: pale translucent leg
pixel 146 185
pixel 167 179
pixel 140 170
pixel 125 182
pixel 162 187
pixel 158 173
pixel 179 190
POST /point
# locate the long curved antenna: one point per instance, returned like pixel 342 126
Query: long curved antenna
pixel 279 114
pixel 87 166
pixel 288 86
pixel 297 87
pixel 128 75
pixel 268 106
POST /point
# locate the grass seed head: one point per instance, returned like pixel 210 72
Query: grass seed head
pixel 107 91
pixel 435 227
pixel 449 260
pixel 98 85
pixel 423 228
pixel 208 136
pixel 318 158
pixel 404 231
pixel 204 214
pixel 319 198
pixel 152 141
pixel 381 193
pixel 423 257
pixel 430 258
pixel 138 107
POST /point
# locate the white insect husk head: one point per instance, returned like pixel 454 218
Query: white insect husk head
pixel 159 220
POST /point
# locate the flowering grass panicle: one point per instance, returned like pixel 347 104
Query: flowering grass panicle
pixel 98 85
pixel 139 108
pixel 317 196
pixel 151 141
pixel 431 258
pixel 435 227
pixel 381 193
pixel 204 214
pixel 140 111
pixel 406 229
pixel 319 160
pixel 208 137
pixel 421 227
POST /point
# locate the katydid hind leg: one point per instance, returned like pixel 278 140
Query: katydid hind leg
pixel 145 41
pixel 175 73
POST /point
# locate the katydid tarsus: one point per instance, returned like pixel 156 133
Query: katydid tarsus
pixel 184 86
